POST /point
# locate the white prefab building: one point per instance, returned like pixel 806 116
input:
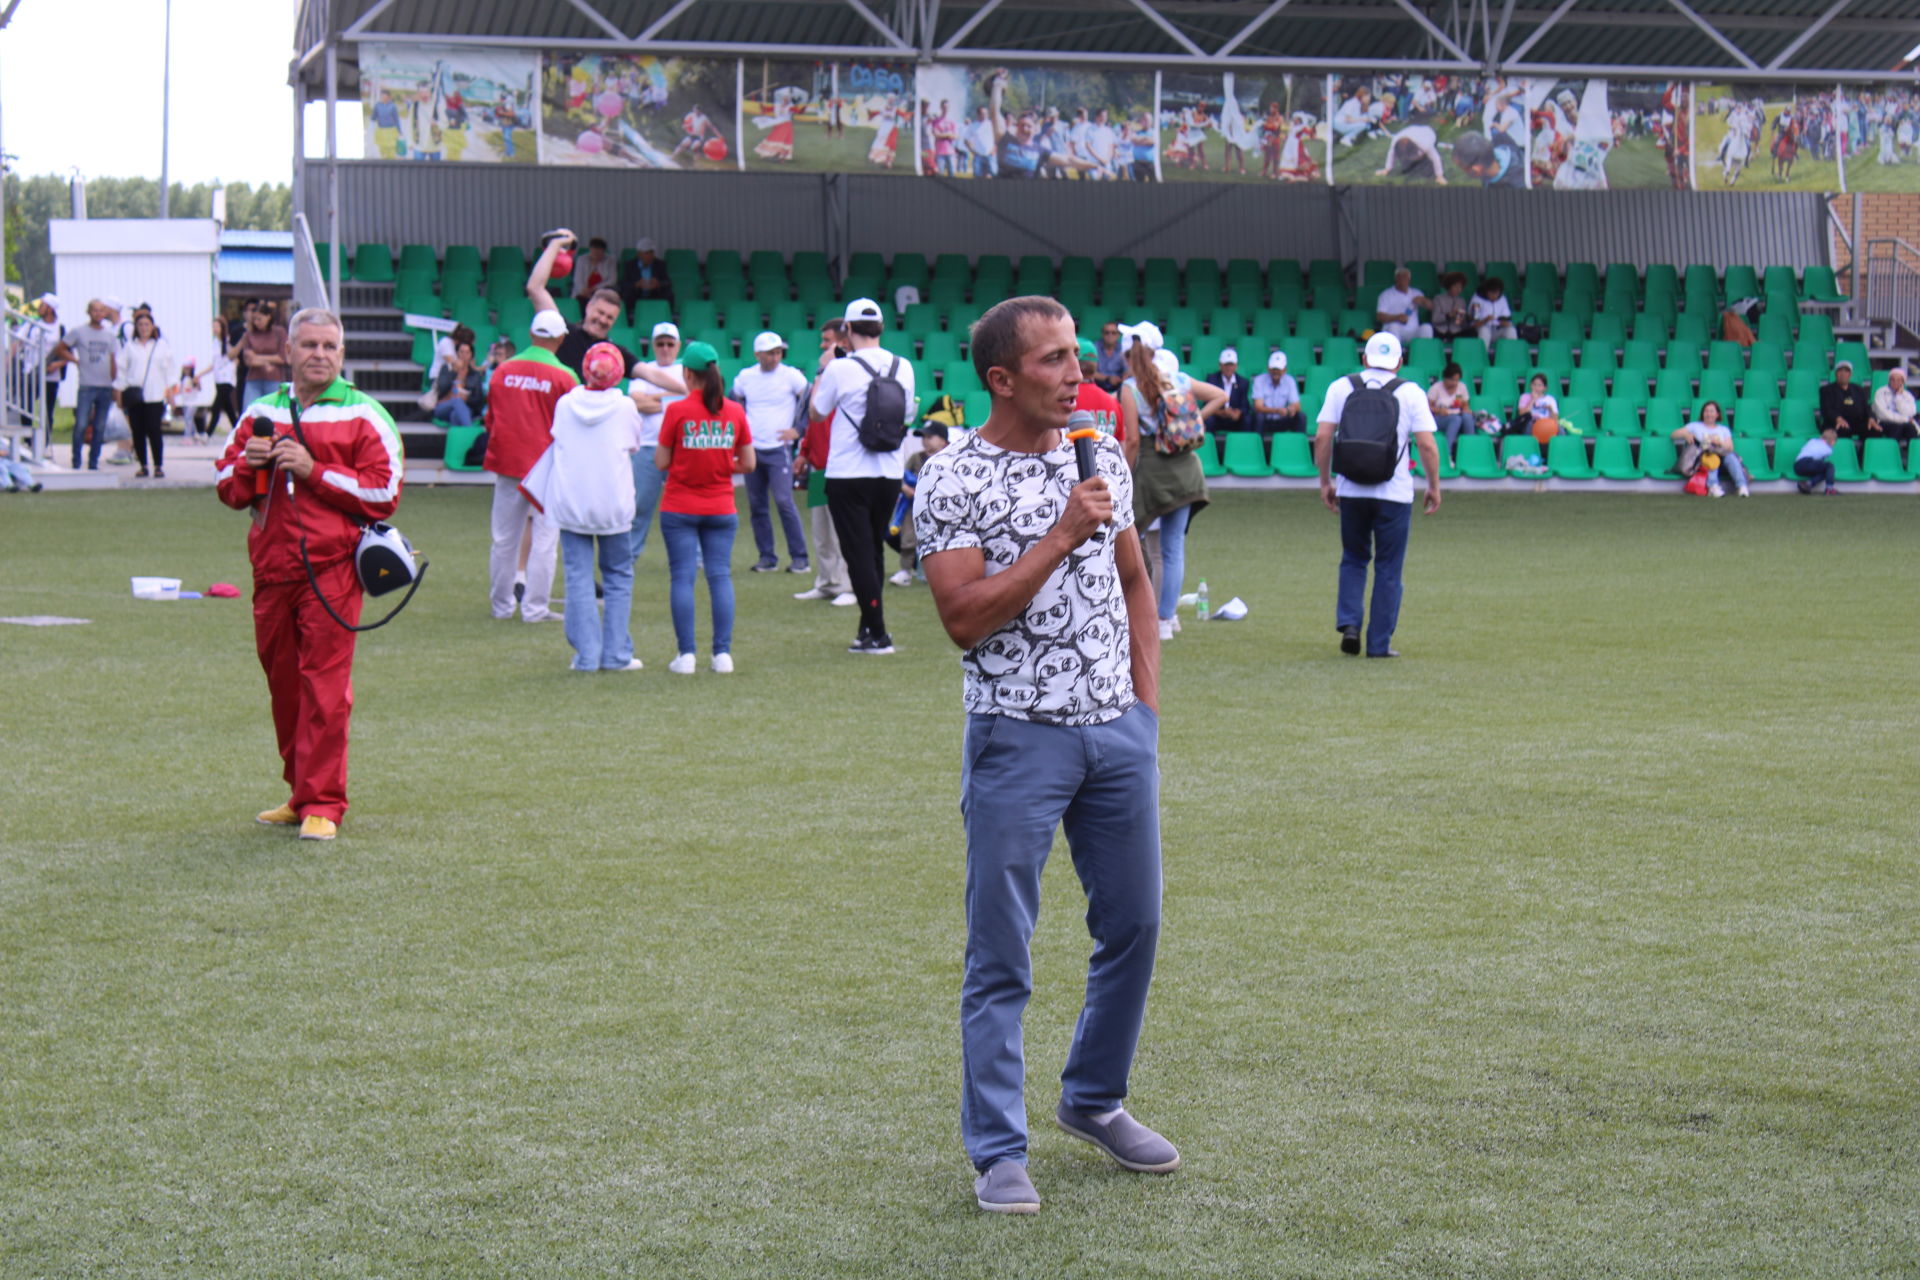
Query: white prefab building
pixel 169 265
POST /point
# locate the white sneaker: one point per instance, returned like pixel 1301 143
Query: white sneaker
pixel 1176 624
pixel 682 665
pixel 723 663
pixel 1716 492
pixel 901 578
pixel 633 665
pixel 1166 628
pixel 1745 492
pixel 844 600
pixel 811 593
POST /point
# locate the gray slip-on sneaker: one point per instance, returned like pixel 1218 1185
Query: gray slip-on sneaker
pixel 1131 1144
pixel 1006 1188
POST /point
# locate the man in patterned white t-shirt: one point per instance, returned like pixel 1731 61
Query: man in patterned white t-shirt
pixel 1038 576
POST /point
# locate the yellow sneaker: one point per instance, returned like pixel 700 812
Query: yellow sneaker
pixel 315 827
pixel 284 816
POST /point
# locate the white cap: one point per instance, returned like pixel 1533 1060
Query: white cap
pixel 863 309
pixel 769 341
pixel 112 303
pixel 667 329
pixel 1146 331
pixel 1229 356
pixel 1277 360
pixel 548 324
pixel 1166 362
pixel 644 244
pixel 1383 351
pixel 47 300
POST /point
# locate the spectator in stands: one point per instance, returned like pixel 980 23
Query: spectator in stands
pixel 523 397
pixel 94 350
pixel 1814 465
pixel 1276 399
pixel 1449 314
pixel 1539 412
pixel 829 567
pixel 460 393
pixel 1092 398
pixel 1110 362
pixel 594 272
pixel 263 355
pixel 144 390
pixel 1395 309
pixel 704 442
pixel 597 318
pixel 1452 405
pixel 643 278
pixel 1893 409
pixel 1709 435
pixel 1169 488
pixel 1237 413
pixel 1844 405
pixel 1492 318
pixel 773 392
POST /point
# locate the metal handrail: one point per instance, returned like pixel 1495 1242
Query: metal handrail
pixel 1892 293
pixel 26 409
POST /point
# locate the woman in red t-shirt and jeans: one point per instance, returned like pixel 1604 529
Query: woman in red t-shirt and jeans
pixel 704 443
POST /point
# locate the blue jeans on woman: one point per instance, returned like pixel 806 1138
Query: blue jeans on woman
pixel 1451 425
pixel 604 642
pixel 454 412
pixel 690 541
pixel 1173 558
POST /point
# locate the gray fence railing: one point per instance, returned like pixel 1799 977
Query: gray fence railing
pixel 1892 286
pixel 28 410
pixel 309 285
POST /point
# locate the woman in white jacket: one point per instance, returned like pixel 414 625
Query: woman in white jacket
pixel 584 484
pixel 144 388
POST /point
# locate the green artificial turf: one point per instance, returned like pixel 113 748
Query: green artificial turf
pixel 1579 942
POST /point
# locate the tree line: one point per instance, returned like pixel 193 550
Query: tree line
pixel 33 202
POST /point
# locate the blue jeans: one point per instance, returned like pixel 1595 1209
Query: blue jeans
pixel 256 390
pixel 602 643
pixel 1173 558
pixel 773 473
pixel 1451 425
pixel 648 481
pixel 1019 781
pixel 454 413
pixel 90 409
pixel 1817 470
pixel 1372 529
pixel 690 541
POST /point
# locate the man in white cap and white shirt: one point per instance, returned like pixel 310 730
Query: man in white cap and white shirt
pixel 863 483
pixel 772 392
pixel 1375 517
pixel 521 396
pixel 663 371
pixel 1276 399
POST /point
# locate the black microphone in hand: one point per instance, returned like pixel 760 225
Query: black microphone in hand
pixel 1086 438
pixel 262 476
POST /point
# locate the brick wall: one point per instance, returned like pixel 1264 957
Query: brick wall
pixel 1881 215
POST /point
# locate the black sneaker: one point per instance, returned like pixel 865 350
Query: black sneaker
pixel 1349 640
pixel 867 642
pixel 768 565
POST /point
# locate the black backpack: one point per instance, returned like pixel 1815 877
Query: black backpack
pixel 885 424
pixel 1366 443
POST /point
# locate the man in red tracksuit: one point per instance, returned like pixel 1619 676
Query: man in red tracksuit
pixel 347 473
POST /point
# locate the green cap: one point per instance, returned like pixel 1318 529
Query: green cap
pixel 698 355
pixel 1087 350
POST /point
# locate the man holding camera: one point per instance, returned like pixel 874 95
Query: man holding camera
pixel 310 483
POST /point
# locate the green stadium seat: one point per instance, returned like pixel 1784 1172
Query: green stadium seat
pixel 1619 418
pixel 422 353
pixel 742 316
pixel 1818 325
pixel 459 441
pixel 1283 275
pixel 1315 326
pixel 1729 356
pixel 900 342
pixel 1805 384
pixel 1576 415
pixel 1244 456
pixel 1471 270
pixel 1511 353
pixel 1753 455
pixel 1881 461
pixel 1430 353
pixel 1613 459
pixel 940 349
pixel 569 309
pixel 1565 326
pixel 1846 462
pixel 1820 285
pixel 515 318
pixel 1293 455
pixel 373 263
pixel 323 251
pixel 1554 353
pixel 1354 321
pixel 1507 273
pixel 1798 416
pixel 1760 388
pixel 1588 384
pixel 1567 459
pixel 419 257
pixel 1299 355
pixel 725 289
pixel 1664 277
pixel 958 378
pixel 632 339
pixel 1742 282
pixel 1448 471
pixel 1203 355
pixel 1663 417
pixel 1606 330
pixel 1751 418
pixel 1182 324
pixel 1641 354
pixel 720 264
pixel 719 339
pixel 1658 457
pixel 1776 326
pixel 1717 384
pixel 1209 455
pixel 1673 384
pixel 1518 447
pixel 1342 353
pixel 697 314
pixel 1692 331
pixel 1470 354
pixel 1244 294
pixel 1475 457
pixel 975 406
pixel 472 312
pixel 1228 322
pixel 1856 352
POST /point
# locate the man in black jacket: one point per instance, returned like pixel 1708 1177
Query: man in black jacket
pixel 1236 414
pixel 1844 407
pixel 644 278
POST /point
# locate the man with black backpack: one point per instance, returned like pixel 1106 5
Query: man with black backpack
pixel 866 399
pixel 1370 423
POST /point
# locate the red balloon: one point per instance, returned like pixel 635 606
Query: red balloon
pixel 716 149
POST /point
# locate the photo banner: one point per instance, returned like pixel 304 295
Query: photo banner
pixel 826 117
pixel 1225 127
pixel 1768 137
pixel 1036 122
pixel 636 111
pixel 1409 130
pixel 1595 135
pixel 440 103
pixel 1881 137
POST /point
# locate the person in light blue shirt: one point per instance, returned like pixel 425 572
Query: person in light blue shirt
pixel 1276 400
pixel 1814 465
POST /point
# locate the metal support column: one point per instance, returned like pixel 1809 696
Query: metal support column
pixel 333 175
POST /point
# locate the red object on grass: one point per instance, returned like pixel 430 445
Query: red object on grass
pixel 716 149
pixel 224 590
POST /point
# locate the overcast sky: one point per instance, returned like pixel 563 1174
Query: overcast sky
pixel 80 88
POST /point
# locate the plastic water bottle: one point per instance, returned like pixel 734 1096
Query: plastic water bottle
pixel 1200 602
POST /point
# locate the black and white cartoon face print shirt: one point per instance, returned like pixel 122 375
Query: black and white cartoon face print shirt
pixel 1065 660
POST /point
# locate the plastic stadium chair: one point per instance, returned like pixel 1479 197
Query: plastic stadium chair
pixel 1204 354
pixel 1817 324
pixel 1209 456
pixel 1613 459
pixel 1315 326
pixel 958 378
pixel 1641 353
pixel 697 314
pixel 1798 416
pixel 975 406
pixel 1664 417
pixel 1588 384
pixel 1742 282
pixel 1447 470
pixel 1882 462
pixel 1299 356
pixel 323 250
pixel 1856 352
pixel 1607 331
pixel 1430 353
pixel 1717 384
pixel 1567 459
pixel 1576 415
pixel 1673 384
pixel 1554 353
pixel 1341 353
pixel 569 309
pixel 1776 326
pixel 1293 455
pixel 373 263
pixel 459 440
pixel 1693 330
pixel 1846 462
pixel 1619 418
pixel 1475 457
pixel 1822 286
pixel 1284 276
pixel 1753 453
pixel 719 339
pixel 1760 389
pixel 419 257
pixel 1567 327
pixel 940 349
pixel 1518 447
pixel 1245 457
pixel 1511 353
pixel 1751 418
pixel 1659 460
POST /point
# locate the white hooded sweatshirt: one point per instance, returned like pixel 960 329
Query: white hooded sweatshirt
pixel 584 481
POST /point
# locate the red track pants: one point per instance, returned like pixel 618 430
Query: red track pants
pixel 308 658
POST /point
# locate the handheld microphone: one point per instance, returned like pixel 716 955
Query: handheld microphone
pixel 263 477
pixel 1085 437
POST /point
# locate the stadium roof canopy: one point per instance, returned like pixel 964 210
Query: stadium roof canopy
pixel 1817 41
